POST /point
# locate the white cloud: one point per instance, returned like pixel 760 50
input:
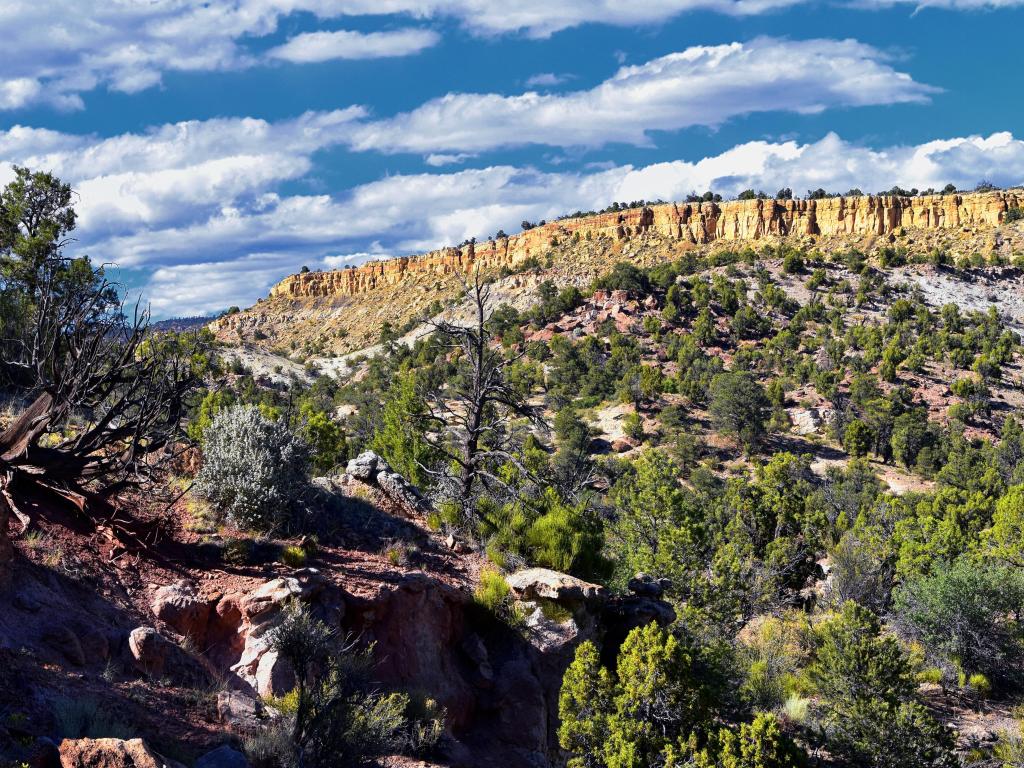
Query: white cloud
pixel 185 290
pixel 60 49
pixel 178 171
pixel 413 213
pixel 343 44
pixel 702 85
pixel 437 160
pixel 200 203
pixel 547 80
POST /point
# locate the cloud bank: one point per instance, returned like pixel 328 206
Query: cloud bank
pixel 202 213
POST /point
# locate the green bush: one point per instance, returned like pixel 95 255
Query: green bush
pixel 254 469
pixel 494 596
pixel 965 615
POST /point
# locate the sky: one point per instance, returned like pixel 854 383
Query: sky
pixel 218 146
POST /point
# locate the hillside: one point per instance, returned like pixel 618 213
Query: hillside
pixel 640 487
pixel 342 311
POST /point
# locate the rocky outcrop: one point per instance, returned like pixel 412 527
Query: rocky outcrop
pixel 156 656
pixel 698 223
pixel 372 469
pixel 261 612
pixel 111 753
pixel 178 606
pixel 545 584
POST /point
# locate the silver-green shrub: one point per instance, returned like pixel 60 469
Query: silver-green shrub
pixel 254 468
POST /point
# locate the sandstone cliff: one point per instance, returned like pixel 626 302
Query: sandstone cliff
pixel 696 223
pixel 324 313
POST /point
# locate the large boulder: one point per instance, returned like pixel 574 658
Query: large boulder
pixel 364 466
pixel 156 656
pixel 269 598
pixel 241 712
pixel 545 584
pixel 111 753
pixel 258 665
pixel 178 606
pixel 62 639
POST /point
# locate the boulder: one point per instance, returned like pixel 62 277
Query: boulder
pixel 396 488
pixel 274 676
pixel 178 606
pixel 240 712
pixel 156 656
pixel 270 597
pixel 645 585
pixel 43 754
pixel 111 753
pixel 257 665
pixel 95 645
pixel 223 757
pixel 364 466
pixel 149 650
pixel 545 584
pixel 61 639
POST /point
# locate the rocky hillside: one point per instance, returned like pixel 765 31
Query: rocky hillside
pixel 171 644
pixel 343 310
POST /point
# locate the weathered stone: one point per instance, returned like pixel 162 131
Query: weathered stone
pixel 43 754
pixel 156 656
pixel 397 489
pixel 178 606
pixel 275 594
pixel 364 466
pixel 222 757
pixel 240 712
pixel 61 639
pixel 111 753
pixel 274 676
pixel 645 585
pixel 543 583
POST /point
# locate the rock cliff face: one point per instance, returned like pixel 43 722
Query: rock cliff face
pixel 696 223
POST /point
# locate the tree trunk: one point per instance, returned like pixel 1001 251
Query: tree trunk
pixel 6 548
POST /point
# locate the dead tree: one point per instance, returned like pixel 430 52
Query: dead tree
pixel 105 397
pixel 469 419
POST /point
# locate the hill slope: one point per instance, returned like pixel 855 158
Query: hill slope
pixel 344 310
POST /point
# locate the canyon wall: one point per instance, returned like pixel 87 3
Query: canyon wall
pixel 697 223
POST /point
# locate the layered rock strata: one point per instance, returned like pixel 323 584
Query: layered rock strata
pixel 698 223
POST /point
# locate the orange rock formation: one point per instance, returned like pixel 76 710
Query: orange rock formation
pixel 698 223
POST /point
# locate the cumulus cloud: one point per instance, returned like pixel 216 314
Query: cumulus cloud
pixel 547 80
pixel 343 44
pixel 61 49
pixel 702 85
pixel 437 160
pixel 412 213
pixel 199 205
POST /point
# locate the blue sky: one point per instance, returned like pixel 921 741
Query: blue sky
pixel 219 146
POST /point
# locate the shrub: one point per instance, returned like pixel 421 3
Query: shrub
pixel 338 718
pixel 84 719
pixel 964 615
pixel 494 596
pixel 294 556
pixel 739 407
pixel 254 469
pixel 793 263
pixel 760 744
pixel 633 427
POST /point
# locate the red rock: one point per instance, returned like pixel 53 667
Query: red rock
pixel 111 753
